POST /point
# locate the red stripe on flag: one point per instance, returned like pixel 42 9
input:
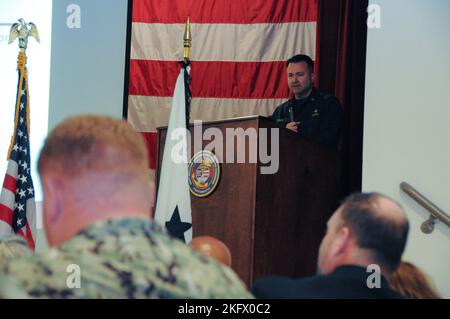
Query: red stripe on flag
pixel 6 214
pixel 10 183
pixel 151 143
pixel 224 11
pixel 154 78
pixel 245 80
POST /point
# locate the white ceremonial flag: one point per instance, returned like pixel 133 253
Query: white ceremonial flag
pixel 173 206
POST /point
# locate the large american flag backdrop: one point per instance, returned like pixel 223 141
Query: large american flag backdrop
pixel 17 205
pixel 238 55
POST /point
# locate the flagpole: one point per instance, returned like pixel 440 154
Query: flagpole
pixel 22 31
pixel 18 208
pixel 22 69
pixel 187 43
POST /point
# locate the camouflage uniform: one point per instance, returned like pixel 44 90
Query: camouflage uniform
pixel 124 258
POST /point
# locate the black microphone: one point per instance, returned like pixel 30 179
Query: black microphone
pixel 291 113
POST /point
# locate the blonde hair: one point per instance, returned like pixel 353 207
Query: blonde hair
pixel 411 282
pixel 95 143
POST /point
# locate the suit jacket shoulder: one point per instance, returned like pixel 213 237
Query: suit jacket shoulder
pixel 348 282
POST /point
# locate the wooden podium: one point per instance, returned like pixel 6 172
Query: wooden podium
pixel 273 223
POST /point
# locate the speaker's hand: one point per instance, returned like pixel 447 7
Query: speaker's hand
pixel 293 126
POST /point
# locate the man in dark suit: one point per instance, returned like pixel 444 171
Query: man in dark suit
pixel 363 246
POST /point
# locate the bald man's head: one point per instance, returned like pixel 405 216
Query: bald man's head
pixel 379 224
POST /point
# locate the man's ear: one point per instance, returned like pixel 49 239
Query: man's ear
pixel 341 243
pixel 313 77
pixel 53 198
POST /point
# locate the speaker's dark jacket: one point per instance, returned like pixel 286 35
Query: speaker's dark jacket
pixel 320 116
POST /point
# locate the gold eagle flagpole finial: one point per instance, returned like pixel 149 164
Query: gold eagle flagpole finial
pixel 23 30
pixel 187 40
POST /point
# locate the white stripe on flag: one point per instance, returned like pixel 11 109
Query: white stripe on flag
pixel 5 229
pixel 146 113
pixel 173 188
pixel 7 198
pixel 12 169
pixel 224 42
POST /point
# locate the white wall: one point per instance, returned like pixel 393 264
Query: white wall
pixel 407 120
pixel 87 65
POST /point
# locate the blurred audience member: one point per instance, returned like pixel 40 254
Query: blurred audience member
pixel 213 248
pixel 412 283
pixel 12 247
pixel 368 229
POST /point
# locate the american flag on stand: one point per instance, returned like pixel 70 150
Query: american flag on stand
pixel 238 55
pixel 17 205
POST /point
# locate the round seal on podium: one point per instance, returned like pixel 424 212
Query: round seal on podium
pixel 204 173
